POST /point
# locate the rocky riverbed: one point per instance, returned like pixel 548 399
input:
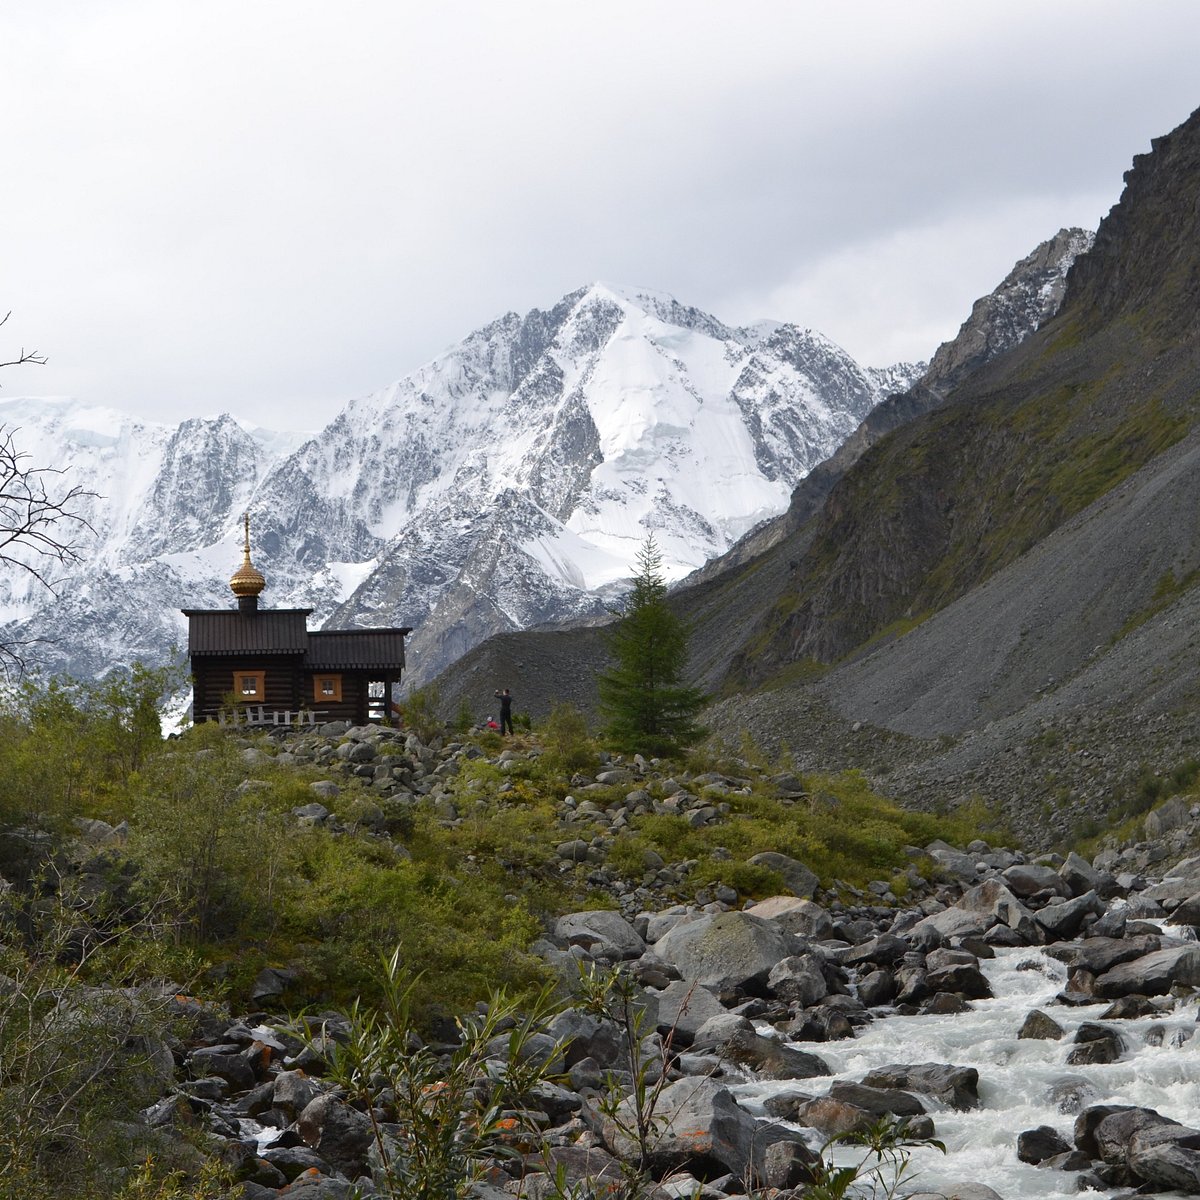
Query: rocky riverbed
pixel 773 1026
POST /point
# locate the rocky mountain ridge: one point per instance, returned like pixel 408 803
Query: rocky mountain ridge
pixel 997 599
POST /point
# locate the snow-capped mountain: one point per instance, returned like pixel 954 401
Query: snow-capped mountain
pixel 507 483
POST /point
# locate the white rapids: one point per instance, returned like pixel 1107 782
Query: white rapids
pixel 1016 1076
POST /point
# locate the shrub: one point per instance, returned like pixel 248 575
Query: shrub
pixel 75 1060
pixel 565 741
pixel 423 712
pixel 447 1119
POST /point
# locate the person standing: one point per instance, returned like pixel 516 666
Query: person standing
pixel 505 698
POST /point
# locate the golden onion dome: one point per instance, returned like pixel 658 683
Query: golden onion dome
pixel 247 580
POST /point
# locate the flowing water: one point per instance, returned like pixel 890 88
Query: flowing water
pixel 1016 1077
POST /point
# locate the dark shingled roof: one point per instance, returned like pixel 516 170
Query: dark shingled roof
pixel 225 631
pixel 350 649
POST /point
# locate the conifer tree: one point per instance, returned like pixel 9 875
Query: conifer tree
pixel 646 705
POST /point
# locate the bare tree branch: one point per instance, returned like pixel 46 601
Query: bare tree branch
pixel 42 519
pixel 39 524
pixel 26 356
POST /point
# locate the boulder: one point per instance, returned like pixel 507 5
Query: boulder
pixel 1028 879
pixel 577 1164
pixel 880 1102
pixel 798 878
pixel 799 979
pixel 821 1024
pixel 1040 1026
pixel 771 1058
pixel 1081 877
pixel 960 979
pixel 1064 920
pixel 831 1117
pixel 956 1086
pixel 1187 912
pixel 1037 1145
pixel 796 915
pixel 877 988
pixel 1167 1157
pixel 602 933
pixel 724 951
pixel 341 1135
pixel 585 1035
pixel 952 861
pixel 1103 1130
pixel 783 1165
pixel 881 951
pixel 1173 813
pixel 1095 1044
pixel 1152 974
pixel 947 924
pixel 992 899
pixel 698 1128
pixel 1179 882
pixel 292 1092
pixel 1100 954
pixel 683 1007
pixel 1072 1093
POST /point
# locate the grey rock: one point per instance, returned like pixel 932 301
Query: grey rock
pixel 1166 1157
pixel 1037 1145
pixel 799 878
pixel 882 951
pixel 1064 920
pixel 683 1007
pixel 341 1135
pixel 1095 1044
pixel 584 1035
pixel 956 1086
pixel 795 915
pixel 1104 1131
pixel 1172 813
pixel 698 1122
pixel 878 1101
pixel 604 934
pixel 313 813
pixel 1152 974
pixel 877 988
pixel 951 923
pixel 293 1091
pixel 725 950
pixel 1038 1025
pixel 1100 954
pixel 799 979
pixel 1027 879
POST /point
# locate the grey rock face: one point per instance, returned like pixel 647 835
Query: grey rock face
pixel 702 1130
pixel 796 915
pixel 956 1086
pixel 728 950
pixel 802 881
pixel 1153 974
pixel 602 933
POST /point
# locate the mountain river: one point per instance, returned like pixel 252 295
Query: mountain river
pixel 1017 1077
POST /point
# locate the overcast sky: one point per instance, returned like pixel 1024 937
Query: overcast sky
pixel 269 208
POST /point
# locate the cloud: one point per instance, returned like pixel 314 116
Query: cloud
pixel 271 207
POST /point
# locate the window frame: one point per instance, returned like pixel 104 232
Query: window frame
pixel 321 697
pixel 260 686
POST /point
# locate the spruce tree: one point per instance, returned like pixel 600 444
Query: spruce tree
pixel 646 705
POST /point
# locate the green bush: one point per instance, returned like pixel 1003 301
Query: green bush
pixel 566 746
pixel 423 712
